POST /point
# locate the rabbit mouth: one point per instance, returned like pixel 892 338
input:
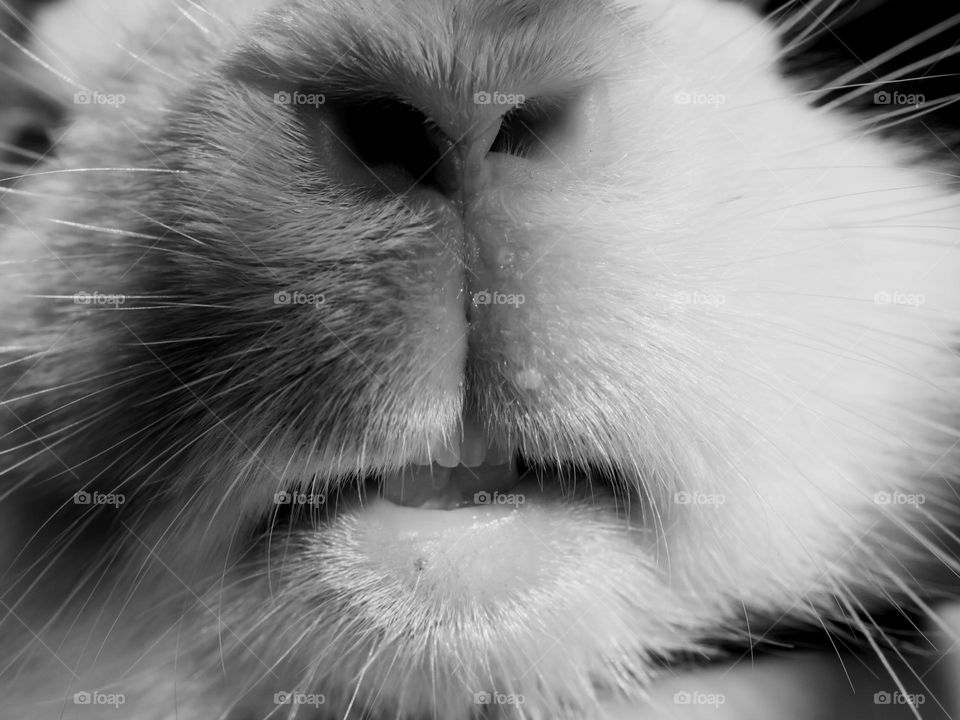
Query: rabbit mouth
pixel 476 469
pixel 475 465
pixel 504 482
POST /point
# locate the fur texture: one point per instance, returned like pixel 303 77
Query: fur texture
pixel 740 309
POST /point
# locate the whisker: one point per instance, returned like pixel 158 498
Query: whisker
pixel 67 171
pixel 42 63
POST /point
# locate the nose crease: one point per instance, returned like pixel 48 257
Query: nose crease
pixel 462 171
pixel 476 171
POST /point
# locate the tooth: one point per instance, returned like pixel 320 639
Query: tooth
pixel 445 455
pixel 497 452
pixel 470 446
pixel 474 448
pixel 414 485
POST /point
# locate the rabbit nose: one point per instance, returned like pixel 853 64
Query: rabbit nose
pixel 462 169
pixel 456 148
pixel 389 147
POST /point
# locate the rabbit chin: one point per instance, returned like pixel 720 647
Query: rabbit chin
pixel 736 337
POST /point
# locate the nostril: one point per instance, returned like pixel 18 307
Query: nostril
pixel 382 144
pixel 536 128
pixel 387 133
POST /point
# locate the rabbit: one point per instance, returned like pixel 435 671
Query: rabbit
pixel 468 358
